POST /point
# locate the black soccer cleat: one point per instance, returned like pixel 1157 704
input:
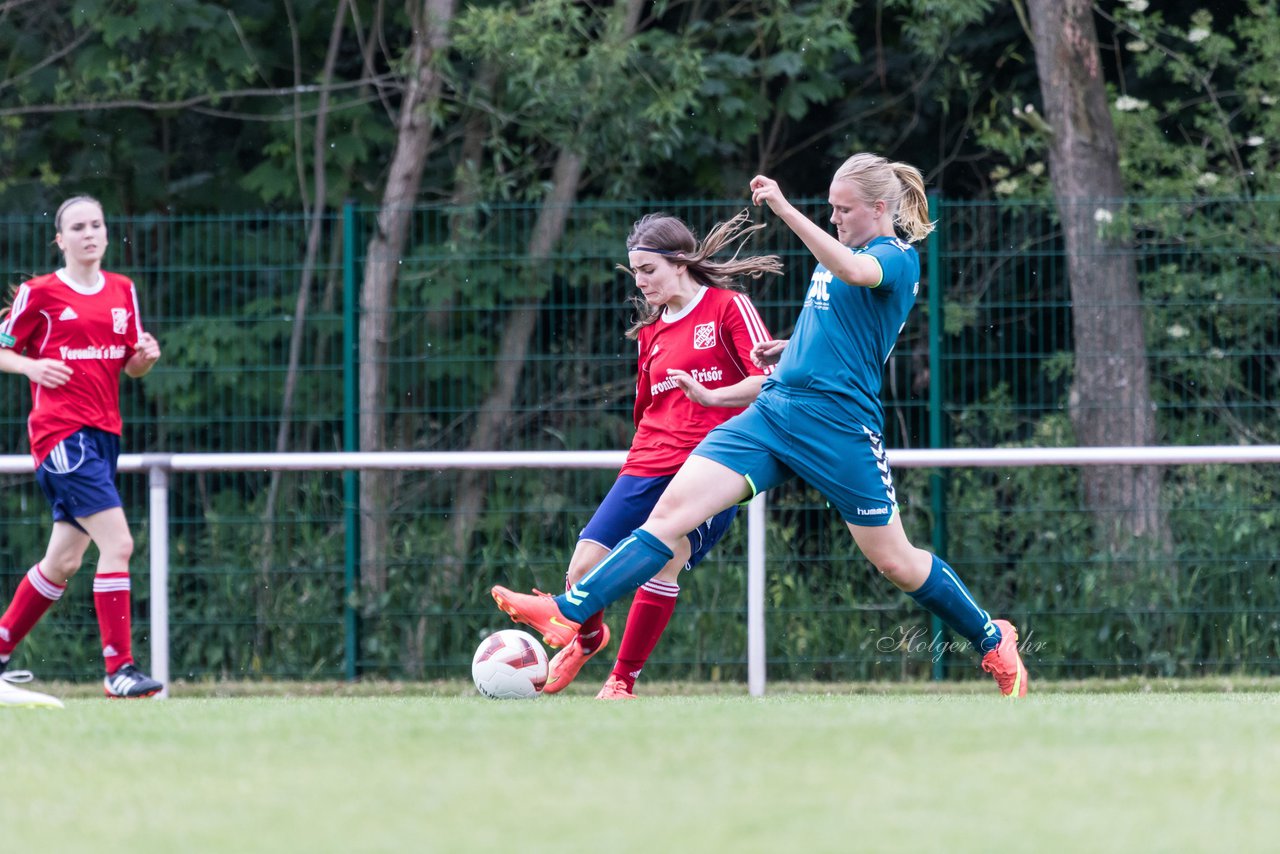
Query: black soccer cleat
pixel 130 683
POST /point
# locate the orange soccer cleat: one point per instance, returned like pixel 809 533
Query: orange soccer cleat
pixel 1005 664
pixel 615 689
pixel 539 612
pixel 567 662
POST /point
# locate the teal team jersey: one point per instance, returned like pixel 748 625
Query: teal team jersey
pixel 845 334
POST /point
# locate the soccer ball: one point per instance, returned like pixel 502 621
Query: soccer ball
pixel 510 665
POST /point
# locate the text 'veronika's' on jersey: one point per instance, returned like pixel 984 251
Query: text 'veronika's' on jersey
pixel 94 331
pixel 711 339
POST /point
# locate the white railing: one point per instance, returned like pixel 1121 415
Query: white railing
pixel 158 466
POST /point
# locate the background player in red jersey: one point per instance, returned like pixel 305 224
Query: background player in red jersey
pixel 695 332
pixel 71 333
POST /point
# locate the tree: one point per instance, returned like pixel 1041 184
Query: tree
pixel 314 203
pixel 588 106
pixel 404 178
pixel 1111 402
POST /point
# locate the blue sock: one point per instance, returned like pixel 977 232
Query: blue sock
pixel 632 562
pixel 944 594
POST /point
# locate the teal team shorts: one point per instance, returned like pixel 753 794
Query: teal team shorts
pixel 798 435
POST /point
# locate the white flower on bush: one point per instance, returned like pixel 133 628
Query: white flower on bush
pixel 1216 353
pixel 1254 141
pixel 1197 34
pixel 1137 46
pixel 1137 5
pixel 1007 187
pixel 1036 169
pixel 1102 216
pixel 1208 179
pixel 1177 330
pixel 1129 104
pixel 1267 99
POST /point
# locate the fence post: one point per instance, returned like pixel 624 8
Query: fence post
pixel 350 442
pixel 158 534
pixel 937 426
pixel 756 652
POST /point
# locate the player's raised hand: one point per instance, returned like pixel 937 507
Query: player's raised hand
pixel 768 353
pixel 766 191
pixel 48 373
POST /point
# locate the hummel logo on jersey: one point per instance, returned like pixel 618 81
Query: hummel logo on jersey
pixel 68 313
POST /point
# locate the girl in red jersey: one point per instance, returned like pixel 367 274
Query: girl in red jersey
pixel 695 332
pixel 71 333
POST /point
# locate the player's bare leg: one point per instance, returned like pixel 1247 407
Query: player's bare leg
pixel 65 552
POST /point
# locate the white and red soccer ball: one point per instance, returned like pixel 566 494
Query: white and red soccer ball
pixel 510 665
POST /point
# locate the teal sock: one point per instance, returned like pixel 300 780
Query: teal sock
pixel 632 562
pixel 944 594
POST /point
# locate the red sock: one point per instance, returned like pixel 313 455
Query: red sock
pixel 111 600
pixel 589 632
pixel 650 612
pixel 33 597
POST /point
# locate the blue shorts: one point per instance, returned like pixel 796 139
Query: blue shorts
pixel 79 475
pixel 628 505
pixel 797 435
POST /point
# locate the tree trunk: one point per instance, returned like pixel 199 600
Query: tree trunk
pixel 315 222
pixel 1110 400
pixel 566 176
pixel 511 354
pixel 413 141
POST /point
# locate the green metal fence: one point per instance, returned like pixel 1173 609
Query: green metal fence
pixel 257 586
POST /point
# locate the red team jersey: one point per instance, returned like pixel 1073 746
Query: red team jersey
pixel 711 339
pixel 94 331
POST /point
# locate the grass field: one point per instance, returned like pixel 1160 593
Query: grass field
pixel 448 771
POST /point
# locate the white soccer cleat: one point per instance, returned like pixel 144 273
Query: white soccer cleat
pixel 12 695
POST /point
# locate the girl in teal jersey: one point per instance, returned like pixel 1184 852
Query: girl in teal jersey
pixel 818 417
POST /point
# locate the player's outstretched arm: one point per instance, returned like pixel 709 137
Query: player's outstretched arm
pixel 739 394
pixel 827 250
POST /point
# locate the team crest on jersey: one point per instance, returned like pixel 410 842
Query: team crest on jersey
pixel 704 336
pixel 119 320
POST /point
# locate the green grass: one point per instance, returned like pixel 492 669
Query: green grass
pixel 445 771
